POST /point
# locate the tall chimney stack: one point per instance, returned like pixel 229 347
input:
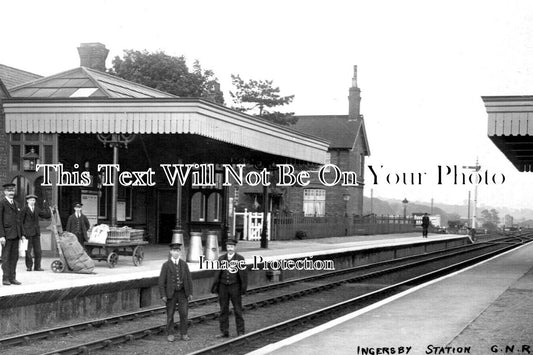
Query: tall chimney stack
pixel 354 98
pixel 93 55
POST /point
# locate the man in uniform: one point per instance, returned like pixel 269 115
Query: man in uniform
pixel 175 287
pixel 10 234
pixel 78 224
pixel 230 286
pixel 30 229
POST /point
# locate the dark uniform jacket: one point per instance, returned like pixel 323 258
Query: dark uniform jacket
pixel 84 225
pixel 242 276
pixel 30 220
pixel 168 276
pixel 425 221
pixel 9 219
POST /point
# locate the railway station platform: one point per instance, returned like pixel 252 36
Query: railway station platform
pixel 484 309
pixel 155 255
pixel 47 298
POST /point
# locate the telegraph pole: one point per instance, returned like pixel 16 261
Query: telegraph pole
pixel 476 169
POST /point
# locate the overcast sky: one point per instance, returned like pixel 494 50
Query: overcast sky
pixel 423 66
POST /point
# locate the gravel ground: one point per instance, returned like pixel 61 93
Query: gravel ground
pixel 255 319
pixel 157 344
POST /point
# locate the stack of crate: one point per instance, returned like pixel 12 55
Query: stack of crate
pixel 118 235
pixel 124 235
pixel 136 235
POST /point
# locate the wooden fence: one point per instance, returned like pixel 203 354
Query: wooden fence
pixel 286 227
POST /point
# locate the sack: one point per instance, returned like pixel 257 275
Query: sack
pixel 75 256
pixel 99 234
pixel 23 246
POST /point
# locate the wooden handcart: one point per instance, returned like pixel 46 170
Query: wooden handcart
pixel 110 251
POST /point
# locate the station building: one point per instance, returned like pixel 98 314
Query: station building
pixel 348 147
pixel 84 117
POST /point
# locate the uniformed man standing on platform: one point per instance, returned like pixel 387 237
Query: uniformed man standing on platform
pixel 29 218
pixel 230 286
pixel 175 287
pixel 78 224
pixel 10 234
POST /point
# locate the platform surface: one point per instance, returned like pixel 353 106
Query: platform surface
pixel 485 309
pixel 155 255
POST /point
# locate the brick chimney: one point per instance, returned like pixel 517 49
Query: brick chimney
pixel 354 98
pixel 93 55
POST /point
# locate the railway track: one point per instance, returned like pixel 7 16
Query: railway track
pixel 276 332
pixel 332 279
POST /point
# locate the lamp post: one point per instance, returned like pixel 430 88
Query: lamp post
pixel 115 141
pixel 476 169
pixel 405 202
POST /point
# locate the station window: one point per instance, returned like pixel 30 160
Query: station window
pixel 198 207
pixel 206 202
pixel 314 202
pixel 24 143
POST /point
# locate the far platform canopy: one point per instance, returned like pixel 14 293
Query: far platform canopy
pixel 510 127
pixel 86 101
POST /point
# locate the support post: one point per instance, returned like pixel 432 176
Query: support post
pixel 264 231
pixel 114 190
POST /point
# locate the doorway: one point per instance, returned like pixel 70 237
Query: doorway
pixel 166 203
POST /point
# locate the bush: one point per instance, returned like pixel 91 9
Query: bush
pixel 300 235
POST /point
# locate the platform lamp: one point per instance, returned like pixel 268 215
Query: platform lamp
pixel 405 202
pixel 30 160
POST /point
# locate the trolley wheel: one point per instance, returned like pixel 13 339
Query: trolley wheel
pixel 138 255
pixel 57 266
pixel 112 259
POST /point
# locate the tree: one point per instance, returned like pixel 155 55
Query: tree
pixel 490 219
pixel 167 73
pixel 260 97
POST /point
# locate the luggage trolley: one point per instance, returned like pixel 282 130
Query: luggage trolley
pixel 58 265
pixel 119 241
pixel 110 251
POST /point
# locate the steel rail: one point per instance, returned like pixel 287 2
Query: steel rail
pixel 25 338
pixel 253 340
pixel 141 333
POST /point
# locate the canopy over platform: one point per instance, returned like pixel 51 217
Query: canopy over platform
pixel 160 116
pixel 510 127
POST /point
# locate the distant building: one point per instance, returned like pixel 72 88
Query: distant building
pixel 508 221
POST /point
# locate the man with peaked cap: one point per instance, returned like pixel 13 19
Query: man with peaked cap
pixel 78 224
pixel 230 286
pixel 175 287
pixel 29 219
pixel 10 234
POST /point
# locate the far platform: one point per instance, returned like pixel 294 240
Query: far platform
pixel 155 255
pixel 486 308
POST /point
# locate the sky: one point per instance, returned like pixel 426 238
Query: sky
pixel 422 69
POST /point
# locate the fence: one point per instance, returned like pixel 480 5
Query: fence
pixel 285 227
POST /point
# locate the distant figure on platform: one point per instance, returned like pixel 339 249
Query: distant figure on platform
pixel 175 286
pixel 30 229
pixel 78 224
pixel 425 225
pixel 230 286
pixel 10 234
